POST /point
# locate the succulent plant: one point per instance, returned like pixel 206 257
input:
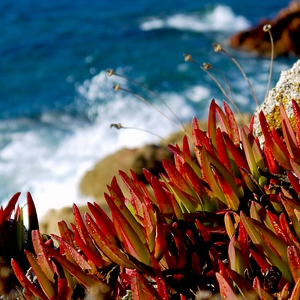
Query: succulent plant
pixel 223 220
pixel 14 239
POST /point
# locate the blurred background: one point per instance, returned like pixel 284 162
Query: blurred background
pixel 57 102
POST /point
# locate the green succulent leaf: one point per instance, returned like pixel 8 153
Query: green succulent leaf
pixel 294 262
pixel 245 288
pixel 27 285
pixel 45 283
pixel 42 257
pixel 255 230
pixel 133 244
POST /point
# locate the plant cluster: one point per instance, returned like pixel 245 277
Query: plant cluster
pixel 222 220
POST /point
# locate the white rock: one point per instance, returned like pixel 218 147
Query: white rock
pixel 286 90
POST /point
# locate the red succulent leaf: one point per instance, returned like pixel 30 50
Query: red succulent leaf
pixel 103 221
pixel 160 280
pixel 271 163
pixel 284 294
pixel 33 222
pixel 42 255
pixel 294 262
pixel 186 149
pixel 296 110
pixel 222 151
pixel 80 260
pixel 135 192
pixel 244 244
pixel 45 283
pixel 140 287
pixel 289 135
pixel 65 232
pixel 291 213
pixel 296 291
pixel 27 285
pixel 245 288
pixel 177 178
pixel 223 272
pixel 197 183
pixel 222 119
pixel 160 245
pixel 95 258
pixel 64 292
pixel 231 197
pixel 130 231
pixel 261 261
pixel 84 235
pixel 116 188
pixel 286 228
pixel 294 181
pixel 226 289
pixel 274 143
pixel 87 280
pixel 232 125
pixel 260 291
pixel 8 210
pixel 277 228
pixel 110 249
pixel 162 196
pixel 212 122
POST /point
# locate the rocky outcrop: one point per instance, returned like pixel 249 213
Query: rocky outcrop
pixel 285 31
pixel 286 90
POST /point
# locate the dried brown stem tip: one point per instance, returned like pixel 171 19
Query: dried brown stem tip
pixel 217 47
pixel 117 126
pixel 206 66
pixel 188 57
pixel 267 27
pixel 110 72
pixel 117 87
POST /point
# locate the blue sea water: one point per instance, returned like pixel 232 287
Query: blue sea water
pixel 57 102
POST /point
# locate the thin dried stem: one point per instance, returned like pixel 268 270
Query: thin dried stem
pixel 218 48
pixel 120 126
pixel 209 66
pixel 118 87
pixel 112 72
pixel 267 28
pixel 188 57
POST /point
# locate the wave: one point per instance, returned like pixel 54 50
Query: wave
pixel 49 155
pixel 220 18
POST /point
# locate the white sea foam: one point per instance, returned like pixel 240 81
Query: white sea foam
pixel 49 156
pixel 52 154
pixel 220 18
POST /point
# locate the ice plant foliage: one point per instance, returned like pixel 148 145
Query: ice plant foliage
pixel 222 219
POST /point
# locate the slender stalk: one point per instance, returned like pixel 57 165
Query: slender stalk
pixel 218 48
pixel 267 28
pixel 112 72
pixel 188 57
pixel 118 87
pixel 120 126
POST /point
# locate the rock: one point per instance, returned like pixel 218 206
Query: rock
pixel 286 90
pixel 285 31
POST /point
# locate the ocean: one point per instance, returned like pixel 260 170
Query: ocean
pixel 57 102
